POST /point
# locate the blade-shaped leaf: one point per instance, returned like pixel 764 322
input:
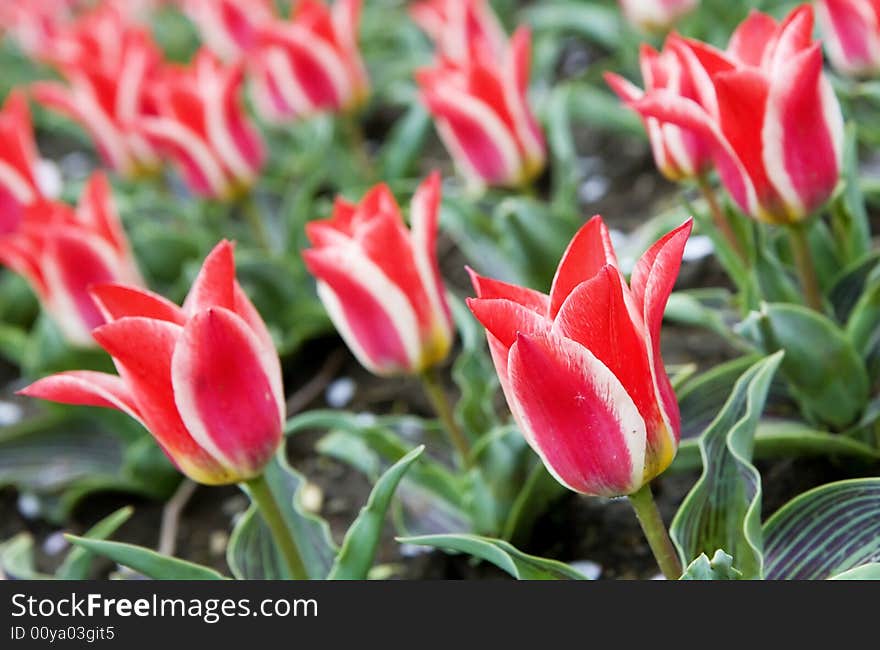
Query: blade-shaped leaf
pixel 78 563
pixel 723 509
pixel 865 572
pixel 17 559
pixel 500 553
pixel 146 561
pixel 359 546
pixel 823 532
pixel 539 491
pixel 720 567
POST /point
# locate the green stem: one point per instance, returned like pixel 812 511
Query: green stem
pixel 433 386
pixel 252 213
pixel 262 496
pixel 806 268
pixel 655 532
pixel 719 218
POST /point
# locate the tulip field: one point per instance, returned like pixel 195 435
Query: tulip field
pixel 439 289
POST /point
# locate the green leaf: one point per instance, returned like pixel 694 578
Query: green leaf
pixel 537 494
pixel 17 559
pixel 146 561
pixel 359 546
pixel 703 308
pixel 252 554
pixel 823 532
pixel 723 509
pixel 825 373
pixel 849 218
pixel 78 563
pixel 720 567
pixel 405 142
pixel 594 22
pixel 500 553
pixel 865 572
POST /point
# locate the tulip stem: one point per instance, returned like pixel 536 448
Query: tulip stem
pixel 433 386
pixel 655 532
pixel 265 501
pixel 722 223
pixel 254 216
pixel 806 267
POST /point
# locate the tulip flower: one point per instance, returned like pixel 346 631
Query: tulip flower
pixel 778 130
pixel 201 123
pixel 204 379
pixel 852 35
pixel 229 27
pixel 680 154
pixel 19 185
pixel 460 27
pixel 311 63
pixel 581 367
pixel 62 252
pixel 482 114
pixel 655 16
pixel 106 63
pixel 35 26
pixel 380 282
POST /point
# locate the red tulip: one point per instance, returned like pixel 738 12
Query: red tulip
pixel 679 153
pixel 62 252
pixel 482 114
pixel 581 368
pixel 19 158
pixel 778 129
pixel 380 283
pixel 229 27
pixel 35 26
pixel 202 125
pixel 656 15
pixel 204 379
pixel 852 35
pixel 461 27
pixel 311 63
pixel 106 63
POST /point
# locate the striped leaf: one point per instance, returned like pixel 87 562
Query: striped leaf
pixel 723 509
pixel 824 532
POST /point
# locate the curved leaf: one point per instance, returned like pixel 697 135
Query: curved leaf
pixel 78 563
pixel 500 553
pixel 720 567
pixel 17 559
pixel 723 509
pixel 823 532
pixel 146 561
pixel 865 572
pixel 359 546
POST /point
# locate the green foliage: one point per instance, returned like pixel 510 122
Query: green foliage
pixel 720 567
pixel 146 561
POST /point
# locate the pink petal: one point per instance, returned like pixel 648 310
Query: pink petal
pixel 585 256
pixel 85 388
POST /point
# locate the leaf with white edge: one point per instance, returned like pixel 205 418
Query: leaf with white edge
pixel 358 550
pixel 78 563
pixel 720 567
pixel 500 553
pixel 823 532
pixel 865 572
pixel 146 561
pixel 723 509
pixel 252 553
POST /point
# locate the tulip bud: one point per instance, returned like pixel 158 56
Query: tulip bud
pixel 581 367
pixel 62 252
pixel 201 123
pixel 656 16
pixel 311 63
pixel 229 27
pixel 482 114
pixel 680 154
pixel 19 160
pixel 380 282
pixel 204 379
pixel 106 62
pixel 777 129
pixel 461 28
pixel 852 35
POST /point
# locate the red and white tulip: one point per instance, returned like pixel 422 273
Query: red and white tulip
pixel 380 282
pixel 581 367
pixel 656 16
pixel 460 28
pixel 63 251
pixel 106 63
pixel 201 124
pixel 851 30
pixel 679 153
pixel 482 113
pixel 204 379
pixel 777 126
pixel 35 26
pixel 230 28
pixel 311 63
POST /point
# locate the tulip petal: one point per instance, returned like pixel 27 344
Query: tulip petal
pixel 85 388
pixel 224 391
pixel 751 38
pixel 581 420
pixel 215 284
pixel 424 217
pixel 490 288
pixel 585 256
pixel 117 301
